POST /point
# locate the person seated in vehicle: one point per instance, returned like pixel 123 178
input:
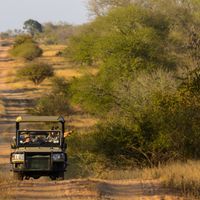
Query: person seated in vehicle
pixel 53 137
pixel 40 139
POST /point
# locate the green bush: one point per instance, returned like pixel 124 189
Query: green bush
pixel 60 86
pixel 36 72
pixel 21 39
pixel 51 104
pixel 25 47
pixel 56 101
pixel 27 51
pixel 82 156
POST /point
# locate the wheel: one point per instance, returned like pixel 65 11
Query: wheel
pixel 61 176
pixel 36 177
pixel 57 176
pixel 18 176
pixel 53 177
pixel 27 177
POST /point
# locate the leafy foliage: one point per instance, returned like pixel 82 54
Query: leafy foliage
pixel 146 92
pixel 56 33
pixel 129 36
pixel 25 47
pixel 32 26
pixel 55 102
pixel 36 72
pixel 101 7
pixel 51 104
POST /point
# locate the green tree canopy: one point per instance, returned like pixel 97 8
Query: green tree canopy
pixel 32 27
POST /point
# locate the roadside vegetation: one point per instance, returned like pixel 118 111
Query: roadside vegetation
pixel 146 91
pixel 145 94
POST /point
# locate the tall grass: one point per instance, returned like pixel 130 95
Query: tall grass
pixel 181 176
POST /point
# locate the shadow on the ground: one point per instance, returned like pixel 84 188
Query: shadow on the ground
pixel 18 90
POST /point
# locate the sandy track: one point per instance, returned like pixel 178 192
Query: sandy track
pixel 15 102
pixel 89 189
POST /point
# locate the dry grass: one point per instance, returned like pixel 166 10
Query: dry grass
pixel 26 89
pixel 2 108
pixel 181 176
pixel 6 181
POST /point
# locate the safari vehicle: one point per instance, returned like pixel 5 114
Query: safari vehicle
pixel 38 152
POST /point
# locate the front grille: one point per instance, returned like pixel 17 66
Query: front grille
pixel 38 161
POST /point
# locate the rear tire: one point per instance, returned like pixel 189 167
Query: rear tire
pixel 18 176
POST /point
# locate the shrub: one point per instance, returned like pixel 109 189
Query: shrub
pixel 36 72
pixel 25 47
pixel 27 51
pixel 60 86
pixel 118 143
pixel 56 102
pixel 51 104
pixel 84 160
pixel 21 39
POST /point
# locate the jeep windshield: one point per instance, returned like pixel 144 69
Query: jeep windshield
pixel 39 138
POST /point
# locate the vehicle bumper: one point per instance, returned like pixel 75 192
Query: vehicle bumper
pixel 39 163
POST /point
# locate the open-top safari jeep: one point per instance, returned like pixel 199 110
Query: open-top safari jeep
pixel 39 151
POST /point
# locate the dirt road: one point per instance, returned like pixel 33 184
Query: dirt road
pixel 14 103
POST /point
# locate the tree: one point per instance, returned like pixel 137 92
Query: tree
pixel 56 33
pixel 36 72
pixel 101 7
pixel 32 26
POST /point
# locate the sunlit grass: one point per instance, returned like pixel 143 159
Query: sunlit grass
pixel 2 108
pixel 181 176
pixel 52 50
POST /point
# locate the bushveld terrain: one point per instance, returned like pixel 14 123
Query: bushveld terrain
pixel 16 96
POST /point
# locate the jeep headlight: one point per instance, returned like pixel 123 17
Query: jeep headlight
pixel 18 157
pixel 58 156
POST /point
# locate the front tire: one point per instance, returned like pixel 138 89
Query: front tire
pixel 57 176
pixel 61 176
